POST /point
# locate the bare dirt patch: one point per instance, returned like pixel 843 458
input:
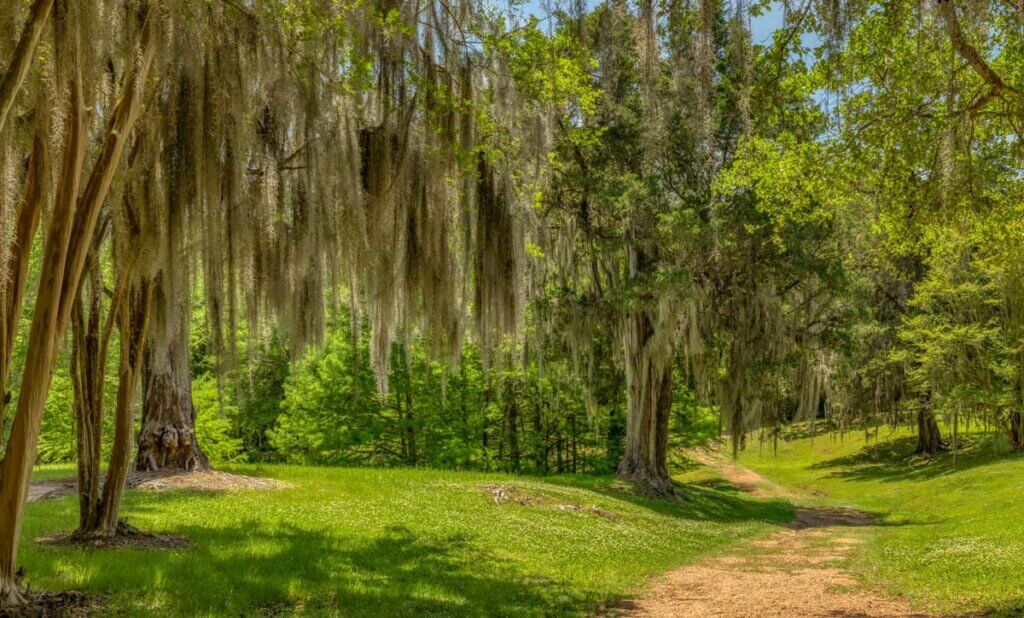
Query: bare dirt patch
pixel 126 536
pixel 796 573
pixel 198 480
pixel 44 604
pixel 201 480
pixel 504 494
pixel 510 494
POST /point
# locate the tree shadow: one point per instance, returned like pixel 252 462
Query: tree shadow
pixel 246 569
pixel 703 501
pixel 894 460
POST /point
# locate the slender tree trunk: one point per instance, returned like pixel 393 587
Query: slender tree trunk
pixel 511 427
pixel 87 369
pixel 410 412
pixel 69 237
pixel 38 17
pixel 649 401
pixel 29 211
pixel 540 451
pixel 16 468
pixel 929 438
pixel 133 322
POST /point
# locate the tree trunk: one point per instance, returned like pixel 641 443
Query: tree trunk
pixel 410 413
pixel 44 335
pixel 69 237
pixel 540 453
pixel 133 322
pixel 29 212
pixel 88 366
pixel 1017 430
pixel 511 427
pixel 23 54
pixel 929 438
pixel 649 401
pixel 167 440
pixel 168 437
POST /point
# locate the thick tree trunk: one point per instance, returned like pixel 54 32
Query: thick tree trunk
pixel 168 437
pixel 929 438
pixel 1017 430
pixel 649 401
pixel 167 440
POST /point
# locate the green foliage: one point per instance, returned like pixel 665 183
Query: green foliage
pixel 213 428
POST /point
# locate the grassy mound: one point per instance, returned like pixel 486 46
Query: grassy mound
pixel 952 537
pixel 394 542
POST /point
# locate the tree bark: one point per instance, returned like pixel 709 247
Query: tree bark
pixel 133 322
pixel 87 369
pixel 44 335
pixel 168 440
pixel 69 237
pixel 511 425
pixel 649 401
pixel 929 437
pixel 1017 430
pixel 29 211
pixel 23 54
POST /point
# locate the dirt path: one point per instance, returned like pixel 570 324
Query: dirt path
pixel 795 573
pixel 202 480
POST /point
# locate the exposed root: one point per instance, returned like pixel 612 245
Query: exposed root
pixel 124 535
pixel 21 601
pixel 647 484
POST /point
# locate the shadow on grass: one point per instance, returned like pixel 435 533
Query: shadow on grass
pixel 708 500
pixel 894 460
pixel 248 568
pixel 255 566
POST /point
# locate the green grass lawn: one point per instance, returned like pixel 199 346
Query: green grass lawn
pixel 953 538
pixel 394 542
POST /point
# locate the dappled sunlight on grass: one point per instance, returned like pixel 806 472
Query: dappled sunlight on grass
pixel 369 541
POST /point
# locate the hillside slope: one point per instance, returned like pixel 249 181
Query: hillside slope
pixel 953 538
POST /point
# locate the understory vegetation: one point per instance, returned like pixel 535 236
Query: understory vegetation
pixel 562 239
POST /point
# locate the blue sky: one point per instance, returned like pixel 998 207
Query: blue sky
pixel 762 27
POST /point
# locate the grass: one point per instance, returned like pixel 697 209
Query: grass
pixel 953 538
pixel 395 542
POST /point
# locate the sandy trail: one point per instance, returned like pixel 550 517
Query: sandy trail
pixel 795 573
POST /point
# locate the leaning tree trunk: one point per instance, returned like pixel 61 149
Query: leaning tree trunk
pixel 69 236
pixel 929 438
pixel 649 401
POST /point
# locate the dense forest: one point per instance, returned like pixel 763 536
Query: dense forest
pixel 566 237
